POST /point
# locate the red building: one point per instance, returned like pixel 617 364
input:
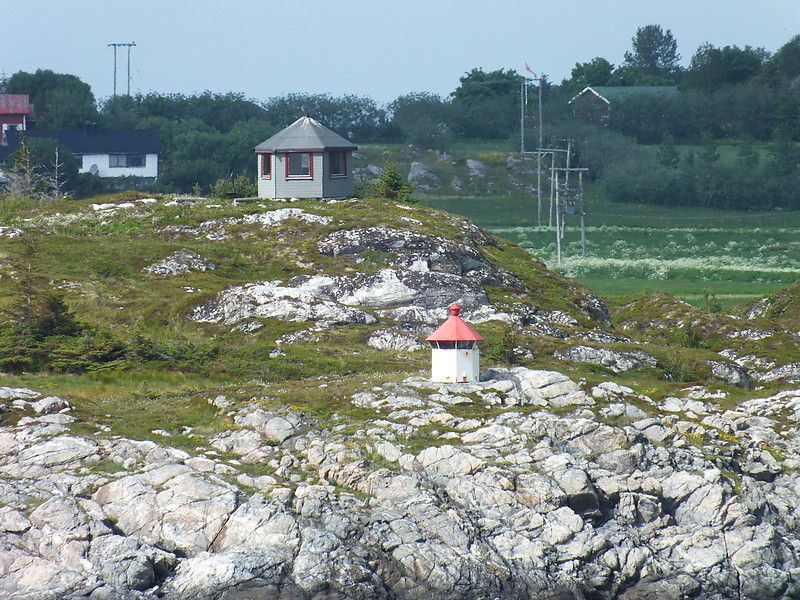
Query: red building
pixel 16 112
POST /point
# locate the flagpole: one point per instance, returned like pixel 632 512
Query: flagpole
pixel 538 150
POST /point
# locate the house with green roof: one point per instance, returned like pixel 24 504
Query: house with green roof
pixel 594 103
pixel 305 160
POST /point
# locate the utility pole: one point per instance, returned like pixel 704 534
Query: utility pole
pixel 523 99
pixel 115 46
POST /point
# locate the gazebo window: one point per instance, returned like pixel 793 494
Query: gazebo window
pixel 266 166
pixel 299 166
pixel 338 163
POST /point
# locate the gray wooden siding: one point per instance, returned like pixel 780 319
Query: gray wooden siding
pixel 298 188
pixel 322 186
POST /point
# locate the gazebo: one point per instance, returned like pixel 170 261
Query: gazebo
pixel 455 355
pixel 305 160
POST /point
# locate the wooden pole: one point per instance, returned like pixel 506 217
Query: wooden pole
pixel 583 216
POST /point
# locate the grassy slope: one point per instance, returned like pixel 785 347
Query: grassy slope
pixel 98 261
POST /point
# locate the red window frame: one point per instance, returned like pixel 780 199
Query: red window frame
pixel 343 172
pixel 310 165
pixel 266 161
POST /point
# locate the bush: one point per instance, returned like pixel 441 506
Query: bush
pixel 391 186
pixel 235 187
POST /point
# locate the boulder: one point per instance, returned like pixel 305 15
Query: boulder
pixel 730 373
pixel 422 177
pixel 181 262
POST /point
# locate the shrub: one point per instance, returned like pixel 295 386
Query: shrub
pixel 235 187
pixel 390 185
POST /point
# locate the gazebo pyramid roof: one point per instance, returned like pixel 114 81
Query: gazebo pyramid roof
pixel 455 329
pixel 305 135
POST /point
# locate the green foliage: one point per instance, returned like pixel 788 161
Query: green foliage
pixel 486 105
pixel 709 152
pixel 235 187
pixel 667 154
pixel 594 73
pixel 687 337
pixel 61 101
pixel 57 165
pixel 423 119
pixel 173 353
pixel 712 68
pixel 678 370
pixel 498 349
pixel 654 60
pixel 712 304
pixel 56 342
pixel 784 66
pixel 357 118
pixel 390 185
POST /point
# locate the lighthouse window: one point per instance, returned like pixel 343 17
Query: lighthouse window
pixel 453 345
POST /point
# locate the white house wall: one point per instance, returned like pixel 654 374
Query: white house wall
pixel 150 168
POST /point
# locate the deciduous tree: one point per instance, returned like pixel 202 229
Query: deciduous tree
pixel 655 58
pixel 61 101
pixel 596 72
pixel 712 68
pixel 485 105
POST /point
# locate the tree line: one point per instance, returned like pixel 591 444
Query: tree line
pixel 742 94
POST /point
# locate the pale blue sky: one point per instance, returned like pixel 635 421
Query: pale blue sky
pixel 266 48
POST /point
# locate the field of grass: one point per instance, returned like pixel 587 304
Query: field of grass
pixel 687 252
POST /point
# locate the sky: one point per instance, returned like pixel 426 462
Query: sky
pixel 268 48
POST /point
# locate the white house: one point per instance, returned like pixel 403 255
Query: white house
pixel 455 355
pixel 107 153
pixel 305 160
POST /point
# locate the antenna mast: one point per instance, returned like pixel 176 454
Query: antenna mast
pixel 115 46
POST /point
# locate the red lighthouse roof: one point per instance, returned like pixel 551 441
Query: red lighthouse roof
pixel 454 329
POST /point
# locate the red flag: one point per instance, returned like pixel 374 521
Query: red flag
pixel 527 68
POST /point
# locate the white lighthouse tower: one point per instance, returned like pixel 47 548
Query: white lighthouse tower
pixel 455 356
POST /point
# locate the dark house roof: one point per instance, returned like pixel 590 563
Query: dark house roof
pixel 305 134
pixel 120 141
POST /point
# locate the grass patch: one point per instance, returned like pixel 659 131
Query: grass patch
pixel 736 254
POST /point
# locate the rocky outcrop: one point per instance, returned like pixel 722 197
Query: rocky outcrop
pixel 181 262
pixel 422 177
pixel 391 339
pixel 607 500
pixel 272 300
pixel 418 252
pixel 617 361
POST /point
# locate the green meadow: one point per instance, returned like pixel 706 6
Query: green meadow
pixel 688 252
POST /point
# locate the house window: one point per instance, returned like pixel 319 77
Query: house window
pixel 299 166
pixel 127 160
pixel 338 164
pixel 266 166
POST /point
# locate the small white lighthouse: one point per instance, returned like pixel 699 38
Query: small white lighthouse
pixel 455 356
